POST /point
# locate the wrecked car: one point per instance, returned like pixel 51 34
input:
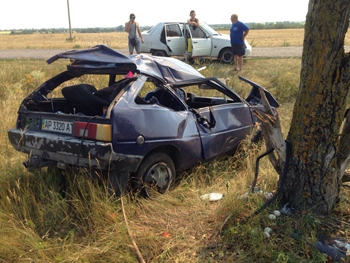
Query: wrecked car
pixel 181 39
pixel 148 118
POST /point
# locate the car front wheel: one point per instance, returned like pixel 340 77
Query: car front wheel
pixel 159 53
pixel 226 56
pixel 155 174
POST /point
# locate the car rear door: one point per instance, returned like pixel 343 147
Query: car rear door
pixel 200 40
pixel 175 38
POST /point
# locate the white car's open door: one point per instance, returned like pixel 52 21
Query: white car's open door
pixel 199 42
pixel 175 39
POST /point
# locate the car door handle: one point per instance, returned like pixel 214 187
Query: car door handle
pixel 195 42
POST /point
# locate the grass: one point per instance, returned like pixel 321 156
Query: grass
pixel 38 224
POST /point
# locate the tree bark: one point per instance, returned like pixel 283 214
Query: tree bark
pixel 314 173
pixel 320 128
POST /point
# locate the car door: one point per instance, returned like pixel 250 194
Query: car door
pixel 175 39
pixel 200 40
pixel 231 123
pixel 223 118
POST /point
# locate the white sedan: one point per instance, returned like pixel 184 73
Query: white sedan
pixel 181 39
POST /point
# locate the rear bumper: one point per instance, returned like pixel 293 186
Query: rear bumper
pixel 65 149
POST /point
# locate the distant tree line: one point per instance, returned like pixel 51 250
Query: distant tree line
pixel 66 30
pixel 267 25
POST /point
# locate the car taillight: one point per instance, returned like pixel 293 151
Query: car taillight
pixel 95 131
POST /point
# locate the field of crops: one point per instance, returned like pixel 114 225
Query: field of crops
pixel 118 40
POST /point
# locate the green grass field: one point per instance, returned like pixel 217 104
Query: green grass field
pixel 38 224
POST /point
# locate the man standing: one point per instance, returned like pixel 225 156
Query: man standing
pixel 238 32
pixel 133 40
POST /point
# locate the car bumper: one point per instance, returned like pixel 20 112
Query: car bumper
pixel 63 149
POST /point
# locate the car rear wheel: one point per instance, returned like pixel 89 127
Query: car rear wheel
pixel 155 174
pixel 226 56
pixel 159 53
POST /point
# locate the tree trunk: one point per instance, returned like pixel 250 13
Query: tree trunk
pixel 320 128
pixel 314 172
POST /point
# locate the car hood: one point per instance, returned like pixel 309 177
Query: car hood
pixel 103 59
pixel 223 37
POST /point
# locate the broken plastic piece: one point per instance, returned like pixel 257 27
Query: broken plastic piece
pixel 287 209
pixel 211 197
pixel 129 75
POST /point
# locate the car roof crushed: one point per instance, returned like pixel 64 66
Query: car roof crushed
pixel 103 59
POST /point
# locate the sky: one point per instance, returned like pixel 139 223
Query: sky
pixel 37 14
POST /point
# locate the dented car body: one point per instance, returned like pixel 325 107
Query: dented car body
pixel 154 116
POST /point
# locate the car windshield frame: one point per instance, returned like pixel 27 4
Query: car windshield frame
pixel 209 29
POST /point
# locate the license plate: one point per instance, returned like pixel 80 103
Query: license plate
pixel 57 126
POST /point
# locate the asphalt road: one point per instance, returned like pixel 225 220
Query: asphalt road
pixel 273 52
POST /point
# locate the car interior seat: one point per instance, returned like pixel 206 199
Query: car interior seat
pixel 82 97
pixel 109 93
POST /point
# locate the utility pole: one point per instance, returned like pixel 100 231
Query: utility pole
pixel 70 27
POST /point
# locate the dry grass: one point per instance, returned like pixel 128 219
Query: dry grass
pixel 38 225
pixel 118 40
pixel 275 37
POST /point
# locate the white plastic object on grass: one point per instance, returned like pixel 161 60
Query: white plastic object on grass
pixel 212 196
pixel 267 234
pixel 271 216
pixel 268 230
pixel 277 213
pixel 268 195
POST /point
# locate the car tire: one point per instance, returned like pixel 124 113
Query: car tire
pixel 159 53
pixel 155 175
pixel 226 56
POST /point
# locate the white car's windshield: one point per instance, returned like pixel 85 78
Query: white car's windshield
pixel 209 29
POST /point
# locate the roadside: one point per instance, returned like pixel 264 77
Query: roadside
pixel 272 52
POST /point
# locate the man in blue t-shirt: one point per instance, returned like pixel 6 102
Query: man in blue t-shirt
pixel 238 32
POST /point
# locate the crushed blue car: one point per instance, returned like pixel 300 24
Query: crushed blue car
pixel 153 117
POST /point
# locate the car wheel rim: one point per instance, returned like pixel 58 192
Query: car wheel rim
pixel 227 57
pixel 157 179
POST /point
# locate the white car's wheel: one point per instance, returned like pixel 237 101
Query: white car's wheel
pixel 226 55
pixel 159 53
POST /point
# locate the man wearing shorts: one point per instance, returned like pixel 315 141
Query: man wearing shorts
pixel 238 32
